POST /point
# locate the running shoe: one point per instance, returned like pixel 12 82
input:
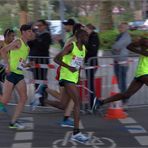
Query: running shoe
pixel 80 138
pixel 35 102
pixel 68 123
pixel 41 89
pixel 96 104
pixel 2 108
pixel 16 125
pixel 38 94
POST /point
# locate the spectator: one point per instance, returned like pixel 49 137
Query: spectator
pixel 119 49
pixel 92 50
pixel 68 27
pixel 39 50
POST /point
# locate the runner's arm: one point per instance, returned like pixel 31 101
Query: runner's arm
pixel 134 47
pixel 78 83
pixel 12 46
pixel 59 57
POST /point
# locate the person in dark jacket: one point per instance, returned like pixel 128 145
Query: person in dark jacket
pixel 39 50
pixel 92 50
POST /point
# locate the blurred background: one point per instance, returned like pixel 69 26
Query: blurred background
pixel 104 14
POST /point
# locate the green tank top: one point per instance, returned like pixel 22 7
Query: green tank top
pixel 18 57
pixel 74 59
pixel 142 67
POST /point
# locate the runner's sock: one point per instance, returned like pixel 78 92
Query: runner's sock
pixel 76 131
pixel 65 118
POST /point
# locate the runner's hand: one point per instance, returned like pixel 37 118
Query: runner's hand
pixel 30 64
pixel 72 69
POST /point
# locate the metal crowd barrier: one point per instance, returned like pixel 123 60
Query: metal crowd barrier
pixel 104 73
pixel 44 71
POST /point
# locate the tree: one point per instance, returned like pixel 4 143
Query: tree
pixel 82 7
pixel 23 5
pixel 105 13
pixel 9 19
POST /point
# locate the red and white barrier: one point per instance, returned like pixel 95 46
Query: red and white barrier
pixel 52 66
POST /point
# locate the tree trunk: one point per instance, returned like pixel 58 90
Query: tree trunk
pixel 23 18
pixel 105 12
pixel 23 4
pixel 36 10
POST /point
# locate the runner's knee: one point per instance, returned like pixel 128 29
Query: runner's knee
pixel 23 99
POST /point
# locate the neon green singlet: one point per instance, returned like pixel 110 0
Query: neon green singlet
pixel 74 59
pixel 16 57
pixel 142 67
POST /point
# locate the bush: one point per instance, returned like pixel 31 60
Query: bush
pixel 138 33
pixel 107 38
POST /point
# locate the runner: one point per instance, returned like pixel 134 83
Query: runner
pixel 18 51
pixel 9 36
pixel 66 103
pixel 70 60
pixel 141 75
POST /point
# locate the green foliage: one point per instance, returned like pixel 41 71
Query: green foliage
pixel 8 16
pixel 23 5
pixel 138 33
pixel 107 38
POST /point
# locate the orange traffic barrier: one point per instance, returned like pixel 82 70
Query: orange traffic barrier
pixel 115 110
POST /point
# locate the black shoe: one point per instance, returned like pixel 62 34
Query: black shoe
pixel 96 104
pixel 41 89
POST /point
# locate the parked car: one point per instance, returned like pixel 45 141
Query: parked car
pixel 144 26
pixel 136 25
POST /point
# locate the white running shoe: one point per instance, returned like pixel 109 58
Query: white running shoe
pixel 80 138
pixel 17 125
pixel 35 102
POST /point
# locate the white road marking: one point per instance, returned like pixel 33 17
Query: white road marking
pixel 94 141
pixel 135 129
pixel 127 120
pixel 27 119
pixel 24 136
pixel 143 140
pixel 22 145
pixel 29 126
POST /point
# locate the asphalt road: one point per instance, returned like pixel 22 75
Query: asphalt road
pixel 43 130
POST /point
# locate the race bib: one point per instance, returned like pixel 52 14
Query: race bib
pixel 77 62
